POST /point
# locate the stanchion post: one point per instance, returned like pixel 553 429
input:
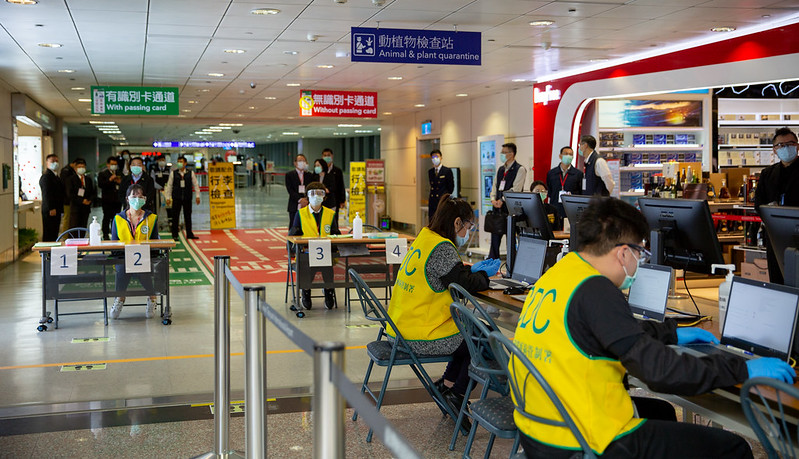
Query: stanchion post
pixel 328 404
pixel 255 373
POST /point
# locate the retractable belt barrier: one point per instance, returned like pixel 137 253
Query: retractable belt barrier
pixel 331 385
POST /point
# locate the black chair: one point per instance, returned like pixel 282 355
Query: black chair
pixel 376 268
pixel 767 417
pixel 519 370
pixel 494 414
pixel 78 233
pixel 384 353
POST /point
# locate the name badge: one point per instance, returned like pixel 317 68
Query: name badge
pixel 183 184
pixel 584 183
pixel 301 189
pixel 502 185
pixel 81 192
pixel 117 187
pixel 562 193
pixel 440 176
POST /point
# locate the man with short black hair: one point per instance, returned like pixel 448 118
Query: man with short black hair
pixel 576 325
pixel 178 193
pixel 510 177
pixel 337 195
pixel 52 199
pixel 441 182
pixel 160 175
pixel 598 179
pixel 563 179
pixel 108 180
pixel 296 181
pixel 66 172
pixel 779 185
pixel 80 192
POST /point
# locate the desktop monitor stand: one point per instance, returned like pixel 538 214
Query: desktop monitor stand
pixel 791 267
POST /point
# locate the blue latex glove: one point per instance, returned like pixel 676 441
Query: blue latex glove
pixel 490 266
pixel 479 265
pixel 771 367
pixel 689 335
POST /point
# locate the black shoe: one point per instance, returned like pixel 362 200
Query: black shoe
pixel 175 237
pixel 454 401
pixel 439 383
pixel 191 236
pixel 306 299
pixel 330 299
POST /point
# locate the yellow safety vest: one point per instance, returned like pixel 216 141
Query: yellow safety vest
pixel 421 313
pixel 308 222
pixel 590 387
pixel 144 230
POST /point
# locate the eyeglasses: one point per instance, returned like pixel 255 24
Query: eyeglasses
pixel 469 225
pixel 643 254
pixel 786 144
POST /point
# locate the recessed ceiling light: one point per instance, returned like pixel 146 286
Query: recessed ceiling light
pixel 270 98
pixel 84 100
pixel 50 45
pixel 23 2
pixel 394 78
pixel 463 94
pixel 78 88
pixel 722 29
pixel 350 125
pixel 205 90
pixel 264 11
pixel 387 113
pixel 291 133
pixel 292 84
pixel 518 80
pixel 66 71
pixel 251 108
pixel 419 105
pixel 192 101
pixel 324 66
pixel 216 74
pixel 290 53
pixel 339 133
pixel 363 131
pixel 221 127
pixel 541 23
pixel 186 111
pixel 235 51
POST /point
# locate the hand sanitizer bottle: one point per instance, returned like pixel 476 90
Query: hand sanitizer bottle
pixel 95 232
pixel 357 226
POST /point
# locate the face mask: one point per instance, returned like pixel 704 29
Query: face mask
pixel 135 170
pixel 301 165
pixel 181 165
pixel 316 201
pixel 628 279
pixel 126 157
pixel 787 153
pixel 113 167
pixel 161 163
pixel 566 159
pixel 503 157
pixel 436 160
pixel 53 166
pixel 543 195
pixel 136 203
pixel 317 170
pixel 328 159
pixel 81 170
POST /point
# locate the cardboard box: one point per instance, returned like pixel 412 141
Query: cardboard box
pixel 755 271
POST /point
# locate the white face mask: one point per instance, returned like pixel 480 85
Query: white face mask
pixel 301 165
pixel 316 201
pixel 53 166
pixel 81 170
pixel 113 167
pixel 436 160
pixel 162 163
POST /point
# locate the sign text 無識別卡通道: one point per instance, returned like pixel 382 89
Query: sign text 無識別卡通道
pixel 344 104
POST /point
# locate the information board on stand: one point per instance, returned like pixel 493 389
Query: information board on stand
pixel 222 195
pixel 357 189
pixel 488 151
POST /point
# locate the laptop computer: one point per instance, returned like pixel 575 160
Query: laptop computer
pixel 760 321
pixel 529 264
pixel 649 294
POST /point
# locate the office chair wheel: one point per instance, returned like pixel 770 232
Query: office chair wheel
pixel 167 321
pixel 300 314
pixel 49 320
pixel 42 328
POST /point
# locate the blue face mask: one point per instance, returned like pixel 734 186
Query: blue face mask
pixel 787 153
pixel 136 203
pixel 462 240
pixel 628 279
pixel 503 157
pixel 135 170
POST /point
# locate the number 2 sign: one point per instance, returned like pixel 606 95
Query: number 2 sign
pixel 396 250
pixel 137 258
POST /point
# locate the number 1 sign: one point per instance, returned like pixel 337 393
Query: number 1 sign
pixel 64 261
pixel 137 259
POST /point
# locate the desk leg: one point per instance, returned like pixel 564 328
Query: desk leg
pixel 167 316
pixel 46 319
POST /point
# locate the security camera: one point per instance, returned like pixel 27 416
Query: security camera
pixel 312 37
pixel 252 84
pixel 235 131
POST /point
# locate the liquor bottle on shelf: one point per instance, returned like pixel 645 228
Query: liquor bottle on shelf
pixel 711 191
pixel 724 193
pixel 678 186
pixel 742 191
pixel 689 176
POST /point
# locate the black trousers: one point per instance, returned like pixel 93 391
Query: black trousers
pixel 110 209
pixel 657 438
pixel 50 226
pixel 292 215
pixel 496 240
pixel 79 216
pixel 178 204
pixel 458 369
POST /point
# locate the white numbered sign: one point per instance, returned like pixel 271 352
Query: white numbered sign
pixel 64 261
pixel 396 250
pixel 137 259
pixel 320 252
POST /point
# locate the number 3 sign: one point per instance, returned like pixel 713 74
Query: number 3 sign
pixel 319 252
pixel 137 258
pixel 396 250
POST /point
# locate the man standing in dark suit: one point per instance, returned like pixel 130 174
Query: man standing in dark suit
pixel 81 192
pixel 67 172
pixel 563 179
pixel 296 181
pixel 138 176
pixel 160 174
pixel 108 180
pixel 441 182
pixel 52 199
pixel 337 197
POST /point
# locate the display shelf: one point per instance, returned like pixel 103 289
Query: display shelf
pixel 751 166
pixel 631 193
pixel 653 129
pixel 754 123
pixel 654 147
pixel 748 147
pixel 642 168
pixel 731 238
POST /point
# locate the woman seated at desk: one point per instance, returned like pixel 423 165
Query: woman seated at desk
pixel 420 299
pixel 555 219
pixel 134 224
pixel 315 220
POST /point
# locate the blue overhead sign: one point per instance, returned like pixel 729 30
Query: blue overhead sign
pixel 201 144
pixel 408 46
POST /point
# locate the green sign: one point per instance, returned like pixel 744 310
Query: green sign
pixel 131 100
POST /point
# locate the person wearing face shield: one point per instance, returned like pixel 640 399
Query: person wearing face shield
pixel 441 182
pixel 80 192
pixel 555 220
pixel 296 181
pixel 52 199
pixel 583 338
pixel 420 298
pixel 316 220
pixel 134 224
pixel 779 185
pixel 563 179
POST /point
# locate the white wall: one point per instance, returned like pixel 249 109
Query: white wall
pixel 7 232
pixel 457 125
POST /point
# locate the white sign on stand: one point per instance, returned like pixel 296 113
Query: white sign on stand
pixel 320 252
pixel 64 261
pixel 396 249
pixel 137 259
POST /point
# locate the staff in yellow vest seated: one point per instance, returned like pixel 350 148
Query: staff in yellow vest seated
pixel 577 329
pixel 420 300
pixel 316 220
pixel 133 224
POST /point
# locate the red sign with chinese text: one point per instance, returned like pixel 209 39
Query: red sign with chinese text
pixel 341 104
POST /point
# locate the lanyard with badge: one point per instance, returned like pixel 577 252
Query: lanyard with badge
pixel 562 184
pixel 502 182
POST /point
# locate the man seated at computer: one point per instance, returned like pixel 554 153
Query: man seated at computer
pixel 315 220
pixel 578 330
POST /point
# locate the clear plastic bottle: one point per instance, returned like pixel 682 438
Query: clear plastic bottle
pixel 95 232
pixel 357 226
pixel 724 291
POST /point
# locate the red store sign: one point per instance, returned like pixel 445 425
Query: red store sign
pixel 342 104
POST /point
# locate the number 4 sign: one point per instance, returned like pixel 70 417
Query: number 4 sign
pixel 64 261
pixel 319 252
pixel 137 258
pixel 396 250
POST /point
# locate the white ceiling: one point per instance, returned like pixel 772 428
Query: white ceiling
pixel 178 42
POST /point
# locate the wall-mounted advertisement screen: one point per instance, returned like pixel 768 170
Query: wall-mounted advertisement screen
pixel 427 127
pixel 649 113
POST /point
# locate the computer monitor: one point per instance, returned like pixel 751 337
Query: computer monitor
pixel 531 254
pixel 682 233
pixel 530 215
pixel 574 205
pixel 649 293
pixel 782 227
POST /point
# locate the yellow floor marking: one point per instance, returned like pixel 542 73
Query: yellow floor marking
pixel 151 359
